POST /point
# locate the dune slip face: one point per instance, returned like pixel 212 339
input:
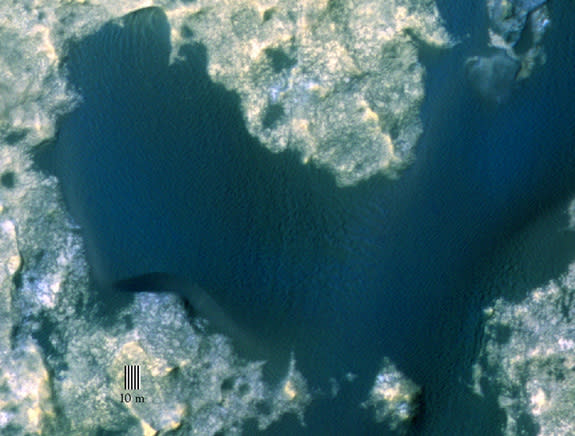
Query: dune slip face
pixel 173 194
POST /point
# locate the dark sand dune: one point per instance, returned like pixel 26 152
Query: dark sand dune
pixel 158 169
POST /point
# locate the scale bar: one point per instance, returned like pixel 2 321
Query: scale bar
pixel 131 377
